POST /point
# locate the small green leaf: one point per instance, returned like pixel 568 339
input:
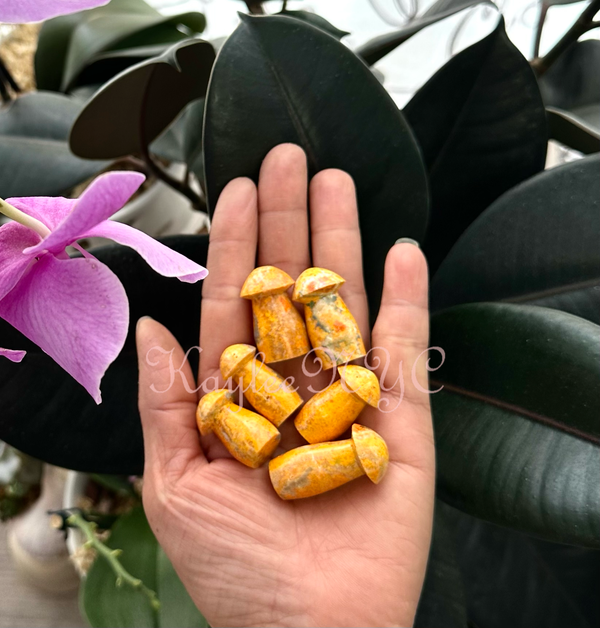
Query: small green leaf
pixel 104 602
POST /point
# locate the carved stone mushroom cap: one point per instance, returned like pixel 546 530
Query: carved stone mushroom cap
pixel 266 280
pixel 209 407
pixel 314 282
pixel 362 382
pixel 372 452
pixel 234 357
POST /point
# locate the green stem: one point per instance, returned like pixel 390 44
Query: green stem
pixel 75 520
pixel 21 217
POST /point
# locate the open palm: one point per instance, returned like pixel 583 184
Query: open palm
pixel 355 556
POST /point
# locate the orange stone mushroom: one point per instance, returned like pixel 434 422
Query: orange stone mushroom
pixel 265 389
pixel 248 437
pixel 333 331
pixel 315 469
pixel 279 331
pixel 331 412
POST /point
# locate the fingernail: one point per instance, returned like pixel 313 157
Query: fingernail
pixel 407 241
pixel 143 318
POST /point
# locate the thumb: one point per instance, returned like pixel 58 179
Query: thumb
pixel 167 402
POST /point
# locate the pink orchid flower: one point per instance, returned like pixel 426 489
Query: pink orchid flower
pixel 12 355
pixel 75 309
pixel 20 11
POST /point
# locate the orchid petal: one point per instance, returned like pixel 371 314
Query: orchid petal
pixel 104 197
pixel 159 257
pixel 75 310
pixel 13 263
pixel 12 355
pixel 20 11
pixel 49 210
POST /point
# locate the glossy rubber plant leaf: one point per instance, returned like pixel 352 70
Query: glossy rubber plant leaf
pixel 537 244
pixel 442 601
pixel 481 125
pixel 46 414
pixel 107 65
pixel 130 111
pixel 382 45
pixel 315 20
pixel 34 153
pixel 106 605
pixel 182 141
pixel 571 91
pixel 512 579
pixel 516 423
pixel 67 44
pixel 276 80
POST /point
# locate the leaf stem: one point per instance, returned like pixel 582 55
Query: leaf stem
pixel 76 520
pixel 180 186
pixel 21 217
pixel 584 23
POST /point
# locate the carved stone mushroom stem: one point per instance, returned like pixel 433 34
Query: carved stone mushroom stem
pixel 265 389
pixel 279 331
pixel 314 469
pixel 333 331
pixel 248 437
pixel 331 412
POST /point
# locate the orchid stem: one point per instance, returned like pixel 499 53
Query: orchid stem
pixel 24 219
pixel 76 520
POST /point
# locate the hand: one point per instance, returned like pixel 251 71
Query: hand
pixel 355 556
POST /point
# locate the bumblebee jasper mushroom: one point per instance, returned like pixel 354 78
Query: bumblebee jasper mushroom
pixel 265 389
pixel 249 437
pixel 314 469
pixel 332 330
pixel 331 412
pixel 279 331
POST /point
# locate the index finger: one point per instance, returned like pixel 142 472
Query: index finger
pixel 226 318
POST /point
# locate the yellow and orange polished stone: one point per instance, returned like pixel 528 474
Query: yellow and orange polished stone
pixel 331 412
pixel 279 331
pixel 315 469
pixel 265 389
pixel 248 437
pixel 333 331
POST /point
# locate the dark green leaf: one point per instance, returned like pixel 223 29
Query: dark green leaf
pixel 382 45
pixel 571 89
pixel 35 156
pixel 107 65
pixel 57 421
pixel 67 44
pixel 177 610
pixel 108 606
pixel 537 244
pixel 481 125
pixel 182 141
pixel 142 101
pixel 278 80
pixel 442 601
pixel 511 579
pixel 316 20
pixel 517 431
